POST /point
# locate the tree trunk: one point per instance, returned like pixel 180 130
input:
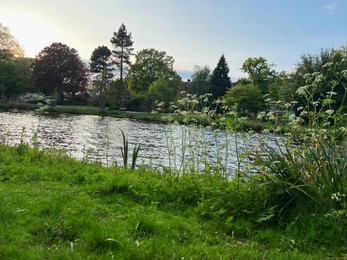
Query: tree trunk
pixel 103 89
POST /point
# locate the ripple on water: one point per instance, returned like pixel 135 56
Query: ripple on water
pixel 100 138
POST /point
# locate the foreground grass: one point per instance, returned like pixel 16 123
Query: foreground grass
pixel 53 207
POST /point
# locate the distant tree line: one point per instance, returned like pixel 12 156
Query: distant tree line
pixel 58 71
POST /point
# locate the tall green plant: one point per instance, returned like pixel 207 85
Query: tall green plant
pixel 194 153
pixel 125 153
pixel 305 177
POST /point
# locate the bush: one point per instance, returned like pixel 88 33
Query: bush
pixel 36 98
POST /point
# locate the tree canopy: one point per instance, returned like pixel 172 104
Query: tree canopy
pixel 201 80
pixel 260 72
pixel 247 98
pixel 323 74
pixel 162 91
pixel 59 69
pixel 122 43
pixel 100 59
pixel 101 65
pixel 220 80
pixel 150 65
pixel 9 45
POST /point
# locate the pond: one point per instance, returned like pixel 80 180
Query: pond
pixel 100 139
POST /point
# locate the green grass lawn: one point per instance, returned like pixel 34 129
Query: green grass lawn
pixel 53 207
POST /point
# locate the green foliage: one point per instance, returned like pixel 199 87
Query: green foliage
pixel 150 65
pixel 100 61
pixel 260 72
pixel 282 88
pixel 101 66
pixel 220 80
pixel 307 181
pixel 123 50
pixel 248 98
pixel 53 206
pixel 308 175
pixel 8 78
pixel 125 153
pixel 15 77
pixel 161 91
pixel 122 43
pixel 292 206
pixel 201 81
pixel 140 102
pixel 331 65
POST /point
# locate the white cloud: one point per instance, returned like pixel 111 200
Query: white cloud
pixel 331 7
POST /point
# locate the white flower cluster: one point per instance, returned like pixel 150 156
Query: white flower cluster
pixel 338 196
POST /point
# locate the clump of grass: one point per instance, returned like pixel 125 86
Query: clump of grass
pixel 125 153
pixel 307 181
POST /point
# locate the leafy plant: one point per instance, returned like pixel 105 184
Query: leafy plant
pixel 305 173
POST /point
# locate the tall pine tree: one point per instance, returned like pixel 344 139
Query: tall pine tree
pixel 220 81
pixel 122 44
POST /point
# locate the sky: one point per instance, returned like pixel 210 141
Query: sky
pixel 193 32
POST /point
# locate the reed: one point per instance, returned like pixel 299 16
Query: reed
pixel 125 153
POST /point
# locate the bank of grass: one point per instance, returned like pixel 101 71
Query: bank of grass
pixel 247 125
pixel 80 110
pixel 53 207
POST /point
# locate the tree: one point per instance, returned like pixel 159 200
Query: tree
pixel 59 69
pixel 9 45
pixel 220 80
pixel 8 79
pixel 101 65
pixel 150 65
pixel 260 72
pixel 201 80
pixel 324 74
pixel 15 77
pixel 15 72
pixel 281 88
pixel 248 98
pixel 122 44
pixel 161 91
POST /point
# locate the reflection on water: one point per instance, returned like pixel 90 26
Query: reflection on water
pixel 100 139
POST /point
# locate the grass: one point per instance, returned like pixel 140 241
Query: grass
pixel 54 207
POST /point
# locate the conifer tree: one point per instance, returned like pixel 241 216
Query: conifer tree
pixel 122 44
pixel 220 81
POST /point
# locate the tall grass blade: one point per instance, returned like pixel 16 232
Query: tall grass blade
pixel 125 150
pixel 135 156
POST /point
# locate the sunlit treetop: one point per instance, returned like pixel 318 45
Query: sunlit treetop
pixel 9 45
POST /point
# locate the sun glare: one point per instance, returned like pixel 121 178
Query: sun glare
pixel 32 34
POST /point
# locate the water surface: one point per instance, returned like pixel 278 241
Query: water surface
pixel 100 139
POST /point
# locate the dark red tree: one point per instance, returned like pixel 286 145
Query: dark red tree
pixel 59 69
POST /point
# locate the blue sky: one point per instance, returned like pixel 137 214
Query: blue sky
pixel 194 32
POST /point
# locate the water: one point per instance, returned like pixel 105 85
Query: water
pixel 100 139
